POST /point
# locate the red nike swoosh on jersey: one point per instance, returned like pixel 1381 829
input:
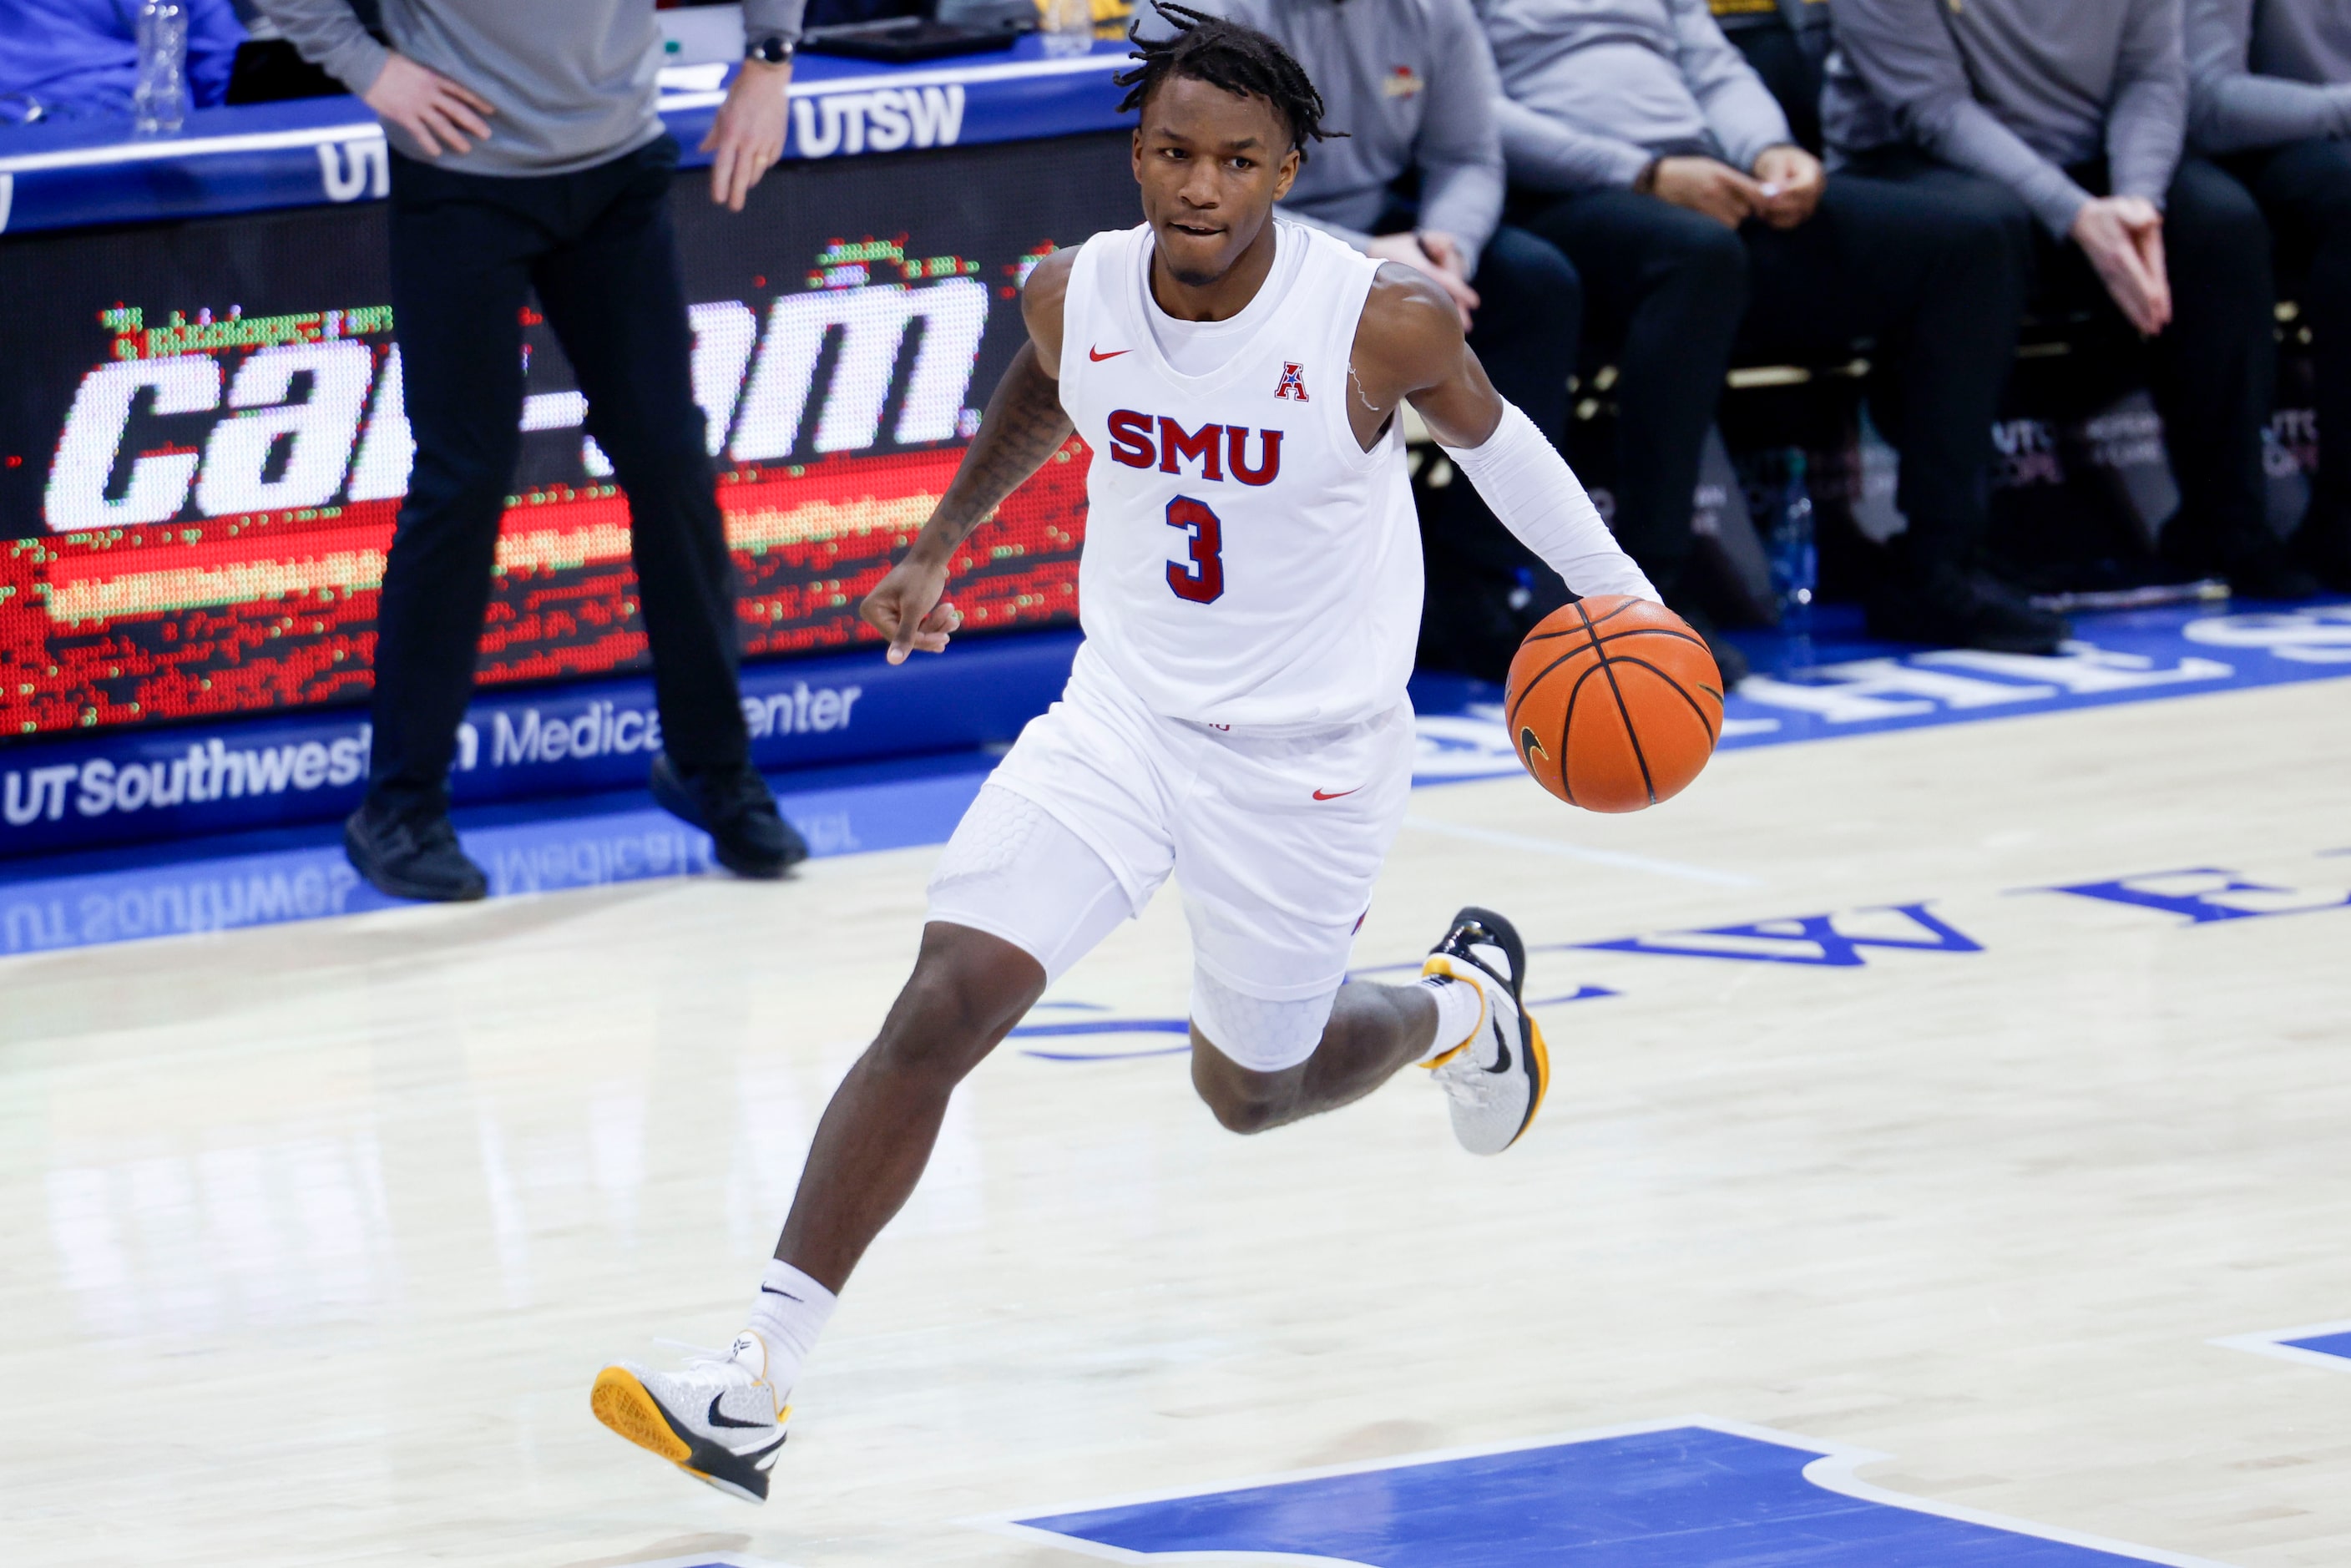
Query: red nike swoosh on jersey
pixel 1334 794
pixel 1097 356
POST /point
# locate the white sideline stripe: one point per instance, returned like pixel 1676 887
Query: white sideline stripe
pixel 1832 1472
pixel 1011 70
pixel 195 147
pixel 368 129
pixel 1577 852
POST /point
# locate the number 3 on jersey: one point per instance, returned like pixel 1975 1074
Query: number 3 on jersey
pixel 1201 580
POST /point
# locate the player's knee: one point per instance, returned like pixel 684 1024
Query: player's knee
pixel 955 1006
pixel 1243 1110
pixel 1241 1101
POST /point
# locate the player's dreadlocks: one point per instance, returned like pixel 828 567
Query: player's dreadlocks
pixel 1223 54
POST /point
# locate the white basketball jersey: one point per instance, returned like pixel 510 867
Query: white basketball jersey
pixel 1247 563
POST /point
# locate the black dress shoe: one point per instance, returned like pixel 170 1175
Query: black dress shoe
pixel 2323 545
pixel 733 805
pixel 2271 574
pixel 411 855
pixel 2256 562
pixel 1964 610
pixel 1729 662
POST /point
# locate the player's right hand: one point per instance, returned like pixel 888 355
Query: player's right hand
pixel 431 107
pixel 905 607
pixel 1442 263
pixel 2122 237
pixel 1707 186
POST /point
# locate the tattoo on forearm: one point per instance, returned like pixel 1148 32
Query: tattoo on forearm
pixel 1024 426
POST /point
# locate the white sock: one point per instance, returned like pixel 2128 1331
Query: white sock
pixel 1459 1005
pixel 788 1312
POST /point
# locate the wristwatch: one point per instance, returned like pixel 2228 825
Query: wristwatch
pixel 774 49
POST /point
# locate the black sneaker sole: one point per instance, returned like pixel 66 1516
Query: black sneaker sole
pixel 1506 936
pixel 360 853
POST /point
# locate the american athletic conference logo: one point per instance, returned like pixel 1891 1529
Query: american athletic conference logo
pixel 1293 381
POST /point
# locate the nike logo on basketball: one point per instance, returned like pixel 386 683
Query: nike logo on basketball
pixel 1097 356
pixel 1333 794
pixel 720 1418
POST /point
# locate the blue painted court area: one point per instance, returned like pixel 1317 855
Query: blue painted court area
pixel 1848 687
pixel 1684 1497
pixel 2334 1344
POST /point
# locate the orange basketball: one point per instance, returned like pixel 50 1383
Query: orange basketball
pixel 1614 703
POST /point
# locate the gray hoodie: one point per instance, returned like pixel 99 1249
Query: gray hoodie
pixel 2261 72
pixel 1597 87
pixel 572 80
pixel 2015 90
pixel 1412 83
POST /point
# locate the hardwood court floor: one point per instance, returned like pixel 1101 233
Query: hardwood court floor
pixel 316 1234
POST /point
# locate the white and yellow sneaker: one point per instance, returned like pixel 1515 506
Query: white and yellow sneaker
pixel 719 1420
pixel 1494 1079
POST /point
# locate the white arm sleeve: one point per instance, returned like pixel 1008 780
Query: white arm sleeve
pixel 1531 490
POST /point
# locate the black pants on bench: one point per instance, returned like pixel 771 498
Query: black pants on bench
pixel 596 245
pixel 2212 371
pixel 2304 191
pixel 1927 271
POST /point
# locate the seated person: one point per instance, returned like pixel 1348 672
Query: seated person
pixel 2269 96
pixel 1417 179
pixel 2076 114
pixel 66 58
pixel 1641 144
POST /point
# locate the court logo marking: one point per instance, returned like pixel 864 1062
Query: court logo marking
pixel 1801 940
pixel 2325 1345
pixel 1689 1493
pixel 2195 895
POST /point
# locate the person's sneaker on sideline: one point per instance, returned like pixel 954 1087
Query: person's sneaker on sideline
pixel 411 853
pixel 735 807
pixel 2257 563
pixel 1975 609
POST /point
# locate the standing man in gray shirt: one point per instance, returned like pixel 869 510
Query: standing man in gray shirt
pixel 526 158
pixel 1642 143
pixel 1416 178
pixel 2269 85
pixel 2077 113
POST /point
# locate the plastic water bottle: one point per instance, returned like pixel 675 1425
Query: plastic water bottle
pixel 1068 26
pixel 1795 560
pixel 159 104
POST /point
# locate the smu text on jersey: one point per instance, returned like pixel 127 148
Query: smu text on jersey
pixel 1216 448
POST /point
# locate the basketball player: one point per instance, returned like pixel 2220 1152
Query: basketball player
pixel 1250 593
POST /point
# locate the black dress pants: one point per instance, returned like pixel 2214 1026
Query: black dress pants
pixel 2212 371
pixel 2303 190
pixel 1930 274
pixel 467 250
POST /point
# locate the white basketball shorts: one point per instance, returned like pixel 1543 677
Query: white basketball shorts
pixel 1276 839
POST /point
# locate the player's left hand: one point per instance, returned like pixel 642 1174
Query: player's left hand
pixel 1793 181
pixel 748 136
pixel 905 607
